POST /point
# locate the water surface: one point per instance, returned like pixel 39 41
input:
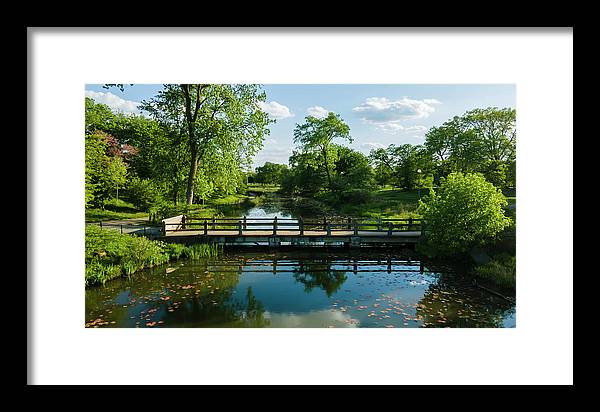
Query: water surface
pixel 309 288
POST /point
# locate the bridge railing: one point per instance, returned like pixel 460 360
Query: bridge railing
pixel 275 224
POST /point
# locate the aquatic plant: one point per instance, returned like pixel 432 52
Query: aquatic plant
pixel 501 270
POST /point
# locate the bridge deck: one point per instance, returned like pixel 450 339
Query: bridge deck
pixel 293 233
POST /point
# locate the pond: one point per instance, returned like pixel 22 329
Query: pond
pixel 313 287
pixel 297 289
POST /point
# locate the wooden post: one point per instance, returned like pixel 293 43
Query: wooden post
pixel 100 225
pixel 324 223
pixel 349 223
pixel 389 265
pixel 245 225
pixel 164 229
pixel 329 229
pixel 121 229
pixel 275 225
pixel 240 227
pixel 379 224
pixel 355 228
pixel 213 223
pixel 390 227
pixel 301 225
pixel 410 223
pixel 183 222
pixel 144 230
pixel 205 227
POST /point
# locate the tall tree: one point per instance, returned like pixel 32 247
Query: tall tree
pixel 220 122
pixel 317 134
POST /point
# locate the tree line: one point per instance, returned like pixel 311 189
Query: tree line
pixel 196 141
pixel 480 141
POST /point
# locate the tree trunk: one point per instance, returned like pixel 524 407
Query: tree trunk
pixel 192 177
pixel 327 168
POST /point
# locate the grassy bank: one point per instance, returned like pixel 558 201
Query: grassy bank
pixel 114 210
pixel 110 254
pixel 501 270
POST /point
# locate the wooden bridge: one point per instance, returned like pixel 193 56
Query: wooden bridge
pixel 276 231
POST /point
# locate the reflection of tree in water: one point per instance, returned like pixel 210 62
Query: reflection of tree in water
pixel 320 275
pixel 252 312
pixel 458 304
pixel 188 297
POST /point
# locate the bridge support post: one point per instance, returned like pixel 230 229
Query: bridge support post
pixel 274 241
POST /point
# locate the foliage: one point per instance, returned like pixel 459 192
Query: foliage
pixel 406 166
pixel 466 211
pixel 481 140
pixel 316 135
pixel 270 173
pixel 144 194
pixel 220 124
pixel 110 254
pixel 104 172
pixel 501 270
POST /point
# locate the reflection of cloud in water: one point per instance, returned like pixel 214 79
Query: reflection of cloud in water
pixel 314 319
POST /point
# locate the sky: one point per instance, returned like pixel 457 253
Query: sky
pixel 378 114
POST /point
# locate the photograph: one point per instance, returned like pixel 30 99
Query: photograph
pixel 331 205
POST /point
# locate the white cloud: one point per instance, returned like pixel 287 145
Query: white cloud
pixel 318 112
pixel 372 146
pixel 394 127
pixel 115 103
pixel 275 110
pixel 381 109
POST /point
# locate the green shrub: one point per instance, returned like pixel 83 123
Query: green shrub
pixel 466 211
pixel 110 254
pixel 501 270
pixel 144 194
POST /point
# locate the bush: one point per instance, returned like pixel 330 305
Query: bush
pixel 144 194
pixel 110 254
pixel 501 270
pixel 466 211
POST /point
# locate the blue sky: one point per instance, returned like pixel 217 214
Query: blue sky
pixel 378 114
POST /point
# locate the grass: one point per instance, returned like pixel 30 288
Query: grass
pixel 110 254
pixel 262 189
pixel 501 270
pixel 385 203
pixel 114 210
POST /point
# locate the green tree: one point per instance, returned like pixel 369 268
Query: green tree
pixel 317 134
pixel 352 170
pixel 224 119
pixel 270 173
pixel 466 211
pixel 481 140
pixel 104 173
pixel 383 166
